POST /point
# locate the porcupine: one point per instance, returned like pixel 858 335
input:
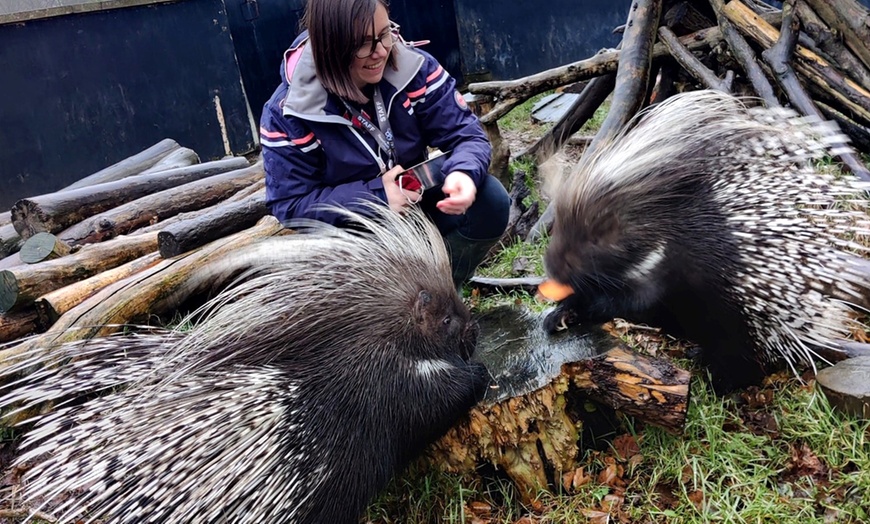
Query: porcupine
pixel 707 218
pixel 294 397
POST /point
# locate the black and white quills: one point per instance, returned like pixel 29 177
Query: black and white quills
pixel 294 398
pixel 707 218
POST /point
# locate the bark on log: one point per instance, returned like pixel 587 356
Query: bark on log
pixel 632 75
pixel 20 286
pixel 41 247
pixel 521 89
pixel 151 208
pixel 10 261
pixel 832 44
pixel 17 325
pixel 181 217
pixel 181 157
pixel 50 306
pixel 54 212
pixel 10 240
pixel 850 19
pixel 528 436
pixel 481 105
pixel 129 166
pixel 221 221
pixel 583 108
pixel 155 291
pixel 691 64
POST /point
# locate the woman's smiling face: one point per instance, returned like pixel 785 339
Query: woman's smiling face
pixel 370 70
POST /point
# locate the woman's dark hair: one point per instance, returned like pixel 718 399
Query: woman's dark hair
pixel 336 30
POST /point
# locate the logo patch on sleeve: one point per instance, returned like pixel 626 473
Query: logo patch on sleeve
pixel 460 100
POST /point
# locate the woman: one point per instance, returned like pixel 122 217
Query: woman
pixel 358 105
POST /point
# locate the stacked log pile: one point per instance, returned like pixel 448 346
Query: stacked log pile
pixel 812 55
pixel 61 251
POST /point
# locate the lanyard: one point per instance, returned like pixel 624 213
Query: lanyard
pixel 382 133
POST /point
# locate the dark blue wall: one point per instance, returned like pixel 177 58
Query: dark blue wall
pixel 81 92
pixel 510 39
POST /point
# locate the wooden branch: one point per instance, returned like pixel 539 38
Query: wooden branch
pixel 11 261
pixel 632 74
pixel 155 291
pixel 745 56
pixel 778 58
pixel 832 44
pixel 816 69
pixel 56 211
pixel 41 247
pixel 50 306
pixel 129 166
pixel 220 221
pixel 5 218
pixel 499 164
pixel 850 19
pixel 161 204
pixel 859 134
pixel 501 109
pixel 598 65
pixel 690 63
pixel 581 110
pixel 21 285
pixel 18 324
pixel 529 284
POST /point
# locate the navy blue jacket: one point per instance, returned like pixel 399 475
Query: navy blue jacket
pixel 314 155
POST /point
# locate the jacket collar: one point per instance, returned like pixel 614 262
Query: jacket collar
pixel 308 99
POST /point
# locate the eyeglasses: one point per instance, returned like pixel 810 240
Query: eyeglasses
pixel 387 39
pixel 410 187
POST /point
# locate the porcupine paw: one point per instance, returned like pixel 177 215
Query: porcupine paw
pixel 560 319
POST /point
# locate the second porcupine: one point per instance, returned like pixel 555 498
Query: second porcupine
pixel 294 400
pixel 707 218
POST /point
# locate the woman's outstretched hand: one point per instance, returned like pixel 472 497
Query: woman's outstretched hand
pixel 460 191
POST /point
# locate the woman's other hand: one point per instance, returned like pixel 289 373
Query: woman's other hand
pixel 460 191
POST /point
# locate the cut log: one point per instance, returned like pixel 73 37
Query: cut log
pixel 20 286
pixel 158 290
pixel 41 247
pixel 529 423
pixel 52 305
pixel 129 166
pixel 17 325
pixel 162 204
pixel 222 220
pixel 56 211
pixel 181 157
